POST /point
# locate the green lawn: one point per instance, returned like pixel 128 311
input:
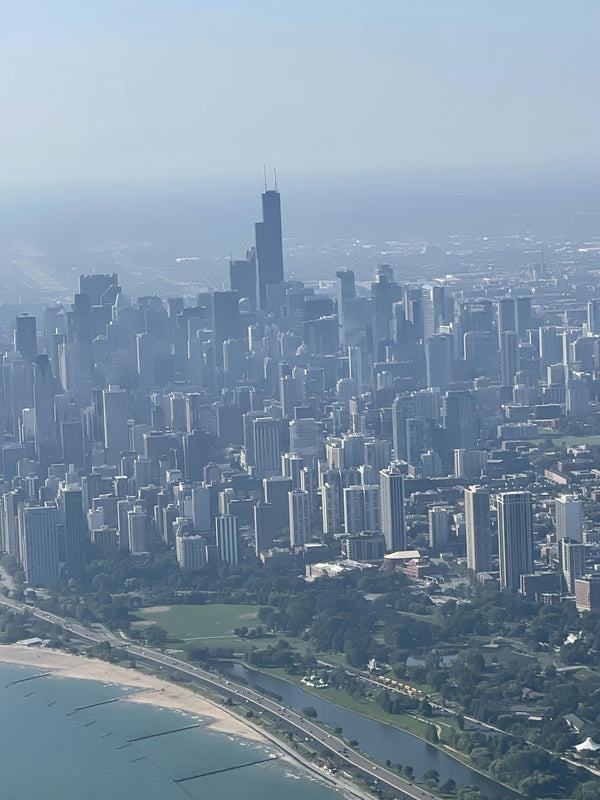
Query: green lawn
pixel 568 441
pixel 210 625
pixel 362 705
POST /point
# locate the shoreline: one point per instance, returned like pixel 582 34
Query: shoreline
pixel 161 693
pixel 150 690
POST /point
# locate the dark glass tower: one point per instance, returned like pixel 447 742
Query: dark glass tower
pixel 269 245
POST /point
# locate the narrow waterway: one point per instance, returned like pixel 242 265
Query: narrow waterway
pixel 377 739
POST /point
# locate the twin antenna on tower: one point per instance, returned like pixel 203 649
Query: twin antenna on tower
pixel 274 176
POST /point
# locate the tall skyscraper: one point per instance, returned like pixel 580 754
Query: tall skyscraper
pixel 116 430
pixel 225 321
pixel 299 502
pixel 509 357
pixel 191 551
pixel 71 516
pixel 507 318
pixel 266 446
pixel 39 544
pixel 269 245
pixel 46 440
pixel 331 508
pixel 346 292
pixel 438 360
pixel 550 350
pixel 228 540
pixel 276 491
pixel 569 518
pixel 439 527
pixel 460 420
pixel 26 337
pixel 392 509
pixel 433 309
pixel 264 529
pixel 305 438
pixel 572 561
pixel 522 316
pixel 477 521
pixel 362 511
pixel 515 537
pixel 242 276
pixel 137 530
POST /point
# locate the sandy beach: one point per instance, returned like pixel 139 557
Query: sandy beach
pixel 148 688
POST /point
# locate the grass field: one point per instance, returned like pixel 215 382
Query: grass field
pixel 207 625
pixel 568 441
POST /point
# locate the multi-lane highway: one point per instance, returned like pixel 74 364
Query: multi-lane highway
pixel 246 697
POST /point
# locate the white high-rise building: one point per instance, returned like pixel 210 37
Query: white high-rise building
pixel 515 537
pixel 191 551
pixel 477 522
pixel 569 518
pixel 469 463
pixel 439 527
pixel 372 502
pixel 299 503
pixel 392 509
pixel 228 540
pixel 362 510
pixel 291 467
pixel 137 529
pixel 572 561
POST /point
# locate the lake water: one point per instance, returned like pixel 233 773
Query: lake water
pixel 377 739
pixel 47 752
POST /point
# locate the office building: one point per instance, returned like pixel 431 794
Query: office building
pixel 269 245
pixel 515 537
pixel 191 551
pixel 276 490
pixel 587 593
pixel 225 321
pixel 469 463
pixel 266 435
pixel 26 337
pixel 392 509
pixel 242 276
pixel 438 518
pixel 137 530
pixel 72 519
pixel 38 537
pixel 264 528
pixel 228 539
pixel 569 517
pixel 478 529
pixel 572 557
pixel 331 508
pixel 438 359
pixel 299 510
pixel 362 511
pixel 116 430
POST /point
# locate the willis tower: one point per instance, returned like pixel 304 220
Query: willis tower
pixel 269 247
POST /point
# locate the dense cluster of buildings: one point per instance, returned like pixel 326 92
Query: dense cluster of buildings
pixel 320 421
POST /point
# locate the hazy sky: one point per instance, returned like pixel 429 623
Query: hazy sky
pixel 168 88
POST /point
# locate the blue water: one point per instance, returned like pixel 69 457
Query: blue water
pixel 49 752
pixel 377 739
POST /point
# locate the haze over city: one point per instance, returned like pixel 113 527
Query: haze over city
pixel 299 400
